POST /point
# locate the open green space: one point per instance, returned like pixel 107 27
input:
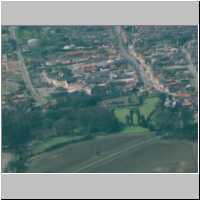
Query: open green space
pixel 146 108
pixel 121 113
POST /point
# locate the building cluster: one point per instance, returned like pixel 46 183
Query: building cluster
pixel 87 59
pixel 92 70
pixel 92 65
pixel 174 63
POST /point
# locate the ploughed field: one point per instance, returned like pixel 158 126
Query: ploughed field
pixel 119 153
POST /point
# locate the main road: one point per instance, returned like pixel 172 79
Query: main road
pixel 145 72
pixel 129 58
pixel 191 67
pixel 40 101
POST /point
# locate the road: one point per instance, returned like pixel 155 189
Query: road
pixel 25 74
pixel 191 67
pixel 145 72
pixel 129 58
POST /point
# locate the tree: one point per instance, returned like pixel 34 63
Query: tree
pixel 87 120
pixel 128 120
pixel 131 112
pixel 177 121
pixel 16 129
pixel 143 121
pixel 16 134
pixel 141 99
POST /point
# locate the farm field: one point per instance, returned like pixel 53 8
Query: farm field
pixel 65 158
pixel 160 155
pixel 164 156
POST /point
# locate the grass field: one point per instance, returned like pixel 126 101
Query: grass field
pixel 148 106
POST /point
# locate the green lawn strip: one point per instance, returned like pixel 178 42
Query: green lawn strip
pixel 134 129
pixel 53 142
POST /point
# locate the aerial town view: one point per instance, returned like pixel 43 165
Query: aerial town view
pixel 99 99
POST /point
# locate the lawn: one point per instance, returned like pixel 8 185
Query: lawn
pixel 134 129
pixel 121 113
pixel 148 106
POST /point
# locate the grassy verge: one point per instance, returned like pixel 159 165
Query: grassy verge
pixel 135 129
pixel 55 142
